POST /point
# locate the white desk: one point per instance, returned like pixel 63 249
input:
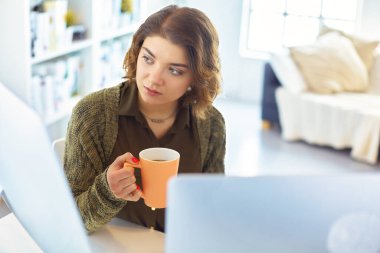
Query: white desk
pixel 117 236
pixel 122 236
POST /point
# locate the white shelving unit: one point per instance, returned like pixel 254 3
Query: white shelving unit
pixel 17 66
pixel 76 46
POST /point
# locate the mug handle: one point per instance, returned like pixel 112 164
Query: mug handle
pixel 138 166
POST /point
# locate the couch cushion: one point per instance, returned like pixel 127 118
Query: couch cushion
pixel 331 64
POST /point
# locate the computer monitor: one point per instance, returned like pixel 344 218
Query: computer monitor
pixel 287 214
pixel 34 185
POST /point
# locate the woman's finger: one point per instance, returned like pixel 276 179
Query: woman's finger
pixel 135 195
pixel 120 160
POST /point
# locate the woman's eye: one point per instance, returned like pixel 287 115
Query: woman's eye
pixel 176 72
pixel 147 59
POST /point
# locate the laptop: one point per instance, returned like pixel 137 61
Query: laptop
pixel 33 184
pixel 44 214
pixel 268 214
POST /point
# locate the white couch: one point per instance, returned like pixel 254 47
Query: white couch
pixel 339 119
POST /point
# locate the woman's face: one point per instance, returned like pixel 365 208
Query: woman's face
pixel 163 74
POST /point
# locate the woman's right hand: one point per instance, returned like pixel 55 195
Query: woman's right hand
pixel 121 179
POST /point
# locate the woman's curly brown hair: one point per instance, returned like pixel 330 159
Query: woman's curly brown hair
pixel 191 29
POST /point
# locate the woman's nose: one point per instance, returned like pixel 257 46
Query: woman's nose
pixel 156 76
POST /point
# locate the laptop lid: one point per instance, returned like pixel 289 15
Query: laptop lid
pixel 288 214
pixel 34 186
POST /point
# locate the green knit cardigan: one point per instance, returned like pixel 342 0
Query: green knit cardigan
pixel 90 139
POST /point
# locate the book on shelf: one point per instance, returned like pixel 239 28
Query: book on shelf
pixel 49 30
pixel 57 25
pixel 39 34
pixel 54 85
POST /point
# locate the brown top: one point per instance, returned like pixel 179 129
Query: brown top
pixel 135 135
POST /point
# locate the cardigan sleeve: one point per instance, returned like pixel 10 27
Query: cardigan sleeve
pixel 213 142
pixel 85 163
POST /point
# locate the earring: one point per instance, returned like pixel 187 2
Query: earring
pixel 189 88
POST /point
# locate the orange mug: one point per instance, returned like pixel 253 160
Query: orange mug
pixel 157 166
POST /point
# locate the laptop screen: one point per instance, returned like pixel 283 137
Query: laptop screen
pixel 35 187
pixel 313 214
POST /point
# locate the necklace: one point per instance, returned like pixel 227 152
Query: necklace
pixel 158 120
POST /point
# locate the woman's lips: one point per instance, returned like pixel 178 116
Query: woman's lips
pixel 151 92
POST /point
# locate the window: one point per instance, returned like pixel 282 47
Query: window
pixel 269 25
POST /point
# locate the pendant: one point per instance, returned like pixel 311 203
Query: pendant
pixel 158 121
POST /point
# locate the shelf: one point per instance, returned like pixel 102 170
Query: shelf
pixel 119 32
pixel 76 46
pixel 38 78
pixel 64 111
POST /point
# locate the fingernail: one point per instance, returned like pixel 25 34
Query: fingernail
pixel 138 187
pixel 135 160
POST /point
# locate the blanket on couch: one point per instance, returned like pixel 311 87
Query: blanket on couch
pixel 342 120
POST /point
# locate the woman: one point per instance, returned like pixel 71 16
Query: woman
pixel 173 76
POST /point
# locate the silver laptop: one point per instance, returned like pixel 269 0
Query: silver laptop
pixel 34 185
pixel 288 214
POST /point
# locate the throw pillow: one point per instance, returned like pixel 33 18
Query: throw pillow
pixel 364 47
pixel 287 71
pixel 331 65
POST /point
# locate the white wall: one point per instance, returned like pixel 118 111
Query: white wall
pixel 370 19
pixel 155 5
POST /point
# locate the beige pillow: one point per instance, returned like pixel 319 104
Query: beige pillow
pixel 365 48
pixel 331 65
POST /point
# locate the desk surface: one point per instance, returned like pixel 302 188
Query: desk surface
pixel 117 236
pixel 122 236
